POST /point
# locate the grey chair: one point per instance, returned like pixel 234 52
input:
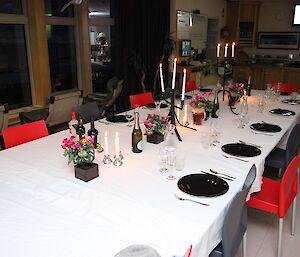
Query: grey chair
pixel 88 112
pixel 58 111
pixel 279 158
pixel 3 117
pixel 138 251
pixel 235 222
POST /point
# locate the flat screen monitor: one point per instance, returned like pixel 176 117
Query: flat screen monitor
pixel 296 17
pixel 186 48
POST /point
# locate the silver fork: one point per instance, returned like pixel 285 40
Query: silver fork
pixel 186 199
pixel 220 173
pixel 236 158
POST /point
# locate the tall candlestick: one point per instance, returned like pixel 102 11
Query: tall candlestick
pixel 232 49
pixel 178 111
pixel 226 50
pixel 106 144
pixel 218 50
pixel 184 119
pixel 174 74
pixel 117 144
pixel 183 84
pixel 161 78
pixel 249 80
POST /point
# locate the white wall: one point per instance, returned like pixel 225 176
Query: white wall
pixel 275 16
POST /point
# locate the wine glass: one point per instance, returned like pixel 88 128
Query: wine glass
pixel 163 156
pixel 171 161
pixel 128 117
pixel 215 131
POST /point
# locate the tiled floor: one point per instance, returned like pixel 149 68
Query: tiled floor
pixel 262 235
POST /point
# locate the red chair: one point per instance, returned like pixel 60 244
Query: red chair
pixel 21 134
pixel 285 88
pixel 141 99
pixel 190 86
pixel 277 196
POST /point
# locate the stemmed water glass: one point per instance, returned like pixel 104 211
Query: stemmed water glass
pixel 128 116
pixel 171 161
pixel 215 131
pixel 163 156
pixel 157 105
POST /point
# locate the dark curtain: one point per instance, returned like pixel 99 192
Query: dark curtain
pixel 138 41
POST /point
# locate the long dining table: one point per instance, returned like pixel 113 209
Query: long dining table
pixel 46 211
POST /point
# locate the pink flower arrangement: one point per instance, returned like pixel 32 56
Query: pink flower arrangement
pixel 236 88
pixel 156 124
pixel 202 100
pixel 80 151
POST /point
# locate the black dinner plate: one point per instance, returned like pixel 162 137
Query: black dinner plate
pixel 203 185
pixel 152 105
pixel 265 127
pixel 117 118
pixel 241 150
pixel 291 101
pixel 282 112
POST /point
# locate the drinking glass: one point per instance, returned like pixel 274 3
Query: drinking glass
pixel 157 105
pixel 128 116
pixel 180 160
pixel 215 131
pixel 261 104
pixel 163 156
pixel 171 161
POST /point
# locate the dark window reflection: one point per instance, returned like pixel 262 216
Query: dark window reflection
pixel 54 7
pixel 14 79
pixel 62 57
pixel 98 9
pixel 11 6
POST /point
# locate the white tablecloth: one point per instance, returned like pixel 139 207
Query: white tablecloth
pixel 46 211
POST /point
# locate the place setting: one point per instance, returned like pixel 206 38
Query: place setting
pixel 282 112
pixel 264 128
pixel 240 150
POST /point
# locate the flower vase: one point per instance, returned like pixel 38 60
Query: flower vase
pixel 199 114
pixel 86 171
pixel 155 138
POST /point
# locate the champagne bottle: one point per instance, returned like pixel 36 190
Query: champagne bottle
pixel 92 132
pixel 215 109
pixel 80 130
pixel 73 123
pixel 137 136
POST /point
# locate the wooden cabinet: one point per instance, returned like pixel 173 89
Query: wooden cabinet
pixel 260 75
pixel 273 75
pixel 292 75
pixel 242 21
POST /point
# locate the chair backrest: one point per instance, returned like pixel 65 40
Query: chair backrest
pixel 141 99
pixel 138 251
pixel 88 112
pixel 288 186
pixel 61 104
pixel 3 117
pixel 21 134
pixel 235 222
pixel 112 85
pixel 293 144
pixel 210 80
pixel 190 86
pixel 285 87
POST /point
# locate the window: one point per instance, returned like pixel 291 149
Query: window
pixel 15 89
pixel 61 35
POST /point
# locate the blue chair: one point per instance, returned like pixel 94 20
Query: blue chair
pixel 235 222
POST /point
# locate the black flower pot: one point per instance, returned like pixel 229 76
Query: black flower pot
pixel 155 138
pixel 86 171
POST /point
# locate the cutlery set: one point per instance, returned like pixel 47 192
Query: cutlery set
pixel 236 158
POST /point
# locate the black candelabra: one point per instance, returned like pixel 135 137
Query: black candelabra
pixel 172 114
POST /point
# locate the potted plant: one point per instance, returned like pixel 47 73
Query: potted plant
pixel 236 91
pixel 82 153
pixel 156 128
pixel 201 106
